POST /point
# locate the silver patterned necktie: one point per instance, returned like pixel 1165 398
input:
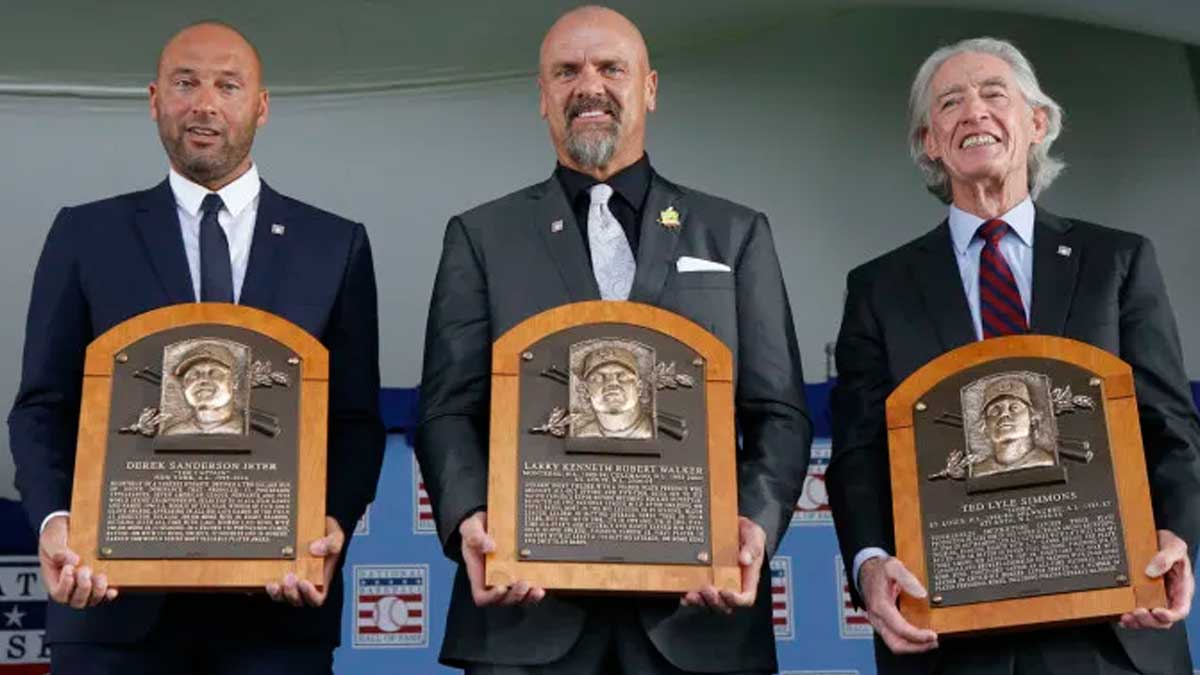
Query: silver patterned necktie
pixel 612 259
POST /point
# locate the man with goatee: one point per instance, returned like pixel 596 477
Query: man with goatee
pixel 607 226
pixel 212 231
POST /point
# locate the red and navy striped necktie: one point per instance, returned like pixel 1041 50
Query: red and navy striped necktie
pixel 1000 308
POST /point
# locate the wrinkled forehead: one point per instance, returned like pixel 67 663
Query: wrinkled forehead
pixel 971 70
pixel 584 41
pixel 1006 398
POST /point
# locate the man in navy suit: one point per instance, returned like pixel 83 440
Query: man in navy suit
pixel 212 231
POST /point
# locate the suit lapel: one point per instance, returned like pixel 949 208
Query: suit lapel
pixel 942 289
pixel 566 244
pixel 1055 267
pixel 157 222
pixel 656 245
pixel 262 273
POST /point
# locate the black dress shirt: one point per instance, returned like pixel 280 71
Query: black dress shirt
pixel 630 186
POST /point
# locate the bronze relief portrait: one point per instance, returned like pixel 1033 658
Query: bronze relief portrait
pixel 205 388
pixel 612 392
pixel 1009 423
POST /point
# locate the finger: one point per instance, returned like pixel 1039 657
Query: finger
pixel 907 581
pixel 899 645
pixel 275 592
pixel 480 593
pixel 895 621
pixel 83 588
pixel 66 585
pixel 516 594
pixel 99 590
pixel 713 600
pixel 480 541
pixel 535 596
pixel 1165 618
pixel 691 599
pixel 311 596
pixel 739 599
pixel 1141 618
pixel 1163 561
pixel 291 590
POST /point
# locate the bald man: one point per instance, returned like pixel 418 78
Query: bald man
pixel 212 231
pixel 606 226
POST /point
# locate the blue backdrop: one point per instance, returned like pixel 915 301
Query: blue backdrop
pixel 398 583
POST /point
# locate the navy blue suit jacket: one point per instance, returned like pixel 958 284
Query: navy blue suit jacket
pixel 110 260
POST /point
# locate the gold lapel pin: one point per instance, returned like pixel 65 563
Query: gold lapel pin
pixel 669 218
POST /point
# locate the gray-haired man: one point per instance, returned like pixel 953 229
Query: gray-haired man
pixel 981 130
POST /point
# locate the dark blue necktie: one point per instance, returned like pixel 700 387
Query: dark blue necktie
pixel 216 272
pixel 1000 307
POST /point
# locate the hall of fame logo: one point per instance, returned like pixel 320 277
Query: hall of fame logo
pixel 422 508
pixel 852 623
pixel 23 648
pixel 781 597
pixel 813 506
pixel 391 606
pixel 363 526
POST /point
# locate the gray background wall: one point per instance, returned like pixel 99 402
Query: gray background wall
pixel 802 118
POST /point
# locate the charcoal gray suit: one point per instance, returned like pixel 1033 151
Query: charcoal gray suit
pixel 502 263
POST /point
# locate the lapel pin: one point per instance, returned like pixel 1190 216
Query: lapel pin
pixel 1064 251
pixel 278 230
pixel 556 226
pixel 669 218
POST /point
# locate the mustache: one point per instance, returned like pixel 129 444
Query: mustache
pixel 583 104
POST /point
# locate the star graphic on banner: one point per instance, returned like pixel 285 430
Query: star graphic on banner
pixel 14 617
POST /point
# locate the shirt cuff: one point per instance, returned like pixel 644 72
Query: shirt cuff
pixel 862 557
pixel 68 513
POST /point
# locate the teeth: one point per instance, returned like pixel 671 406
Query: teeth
pixel 978 139
pixel 592 113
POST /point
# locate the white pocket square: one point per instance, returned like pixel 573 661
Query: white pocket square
pixel 690 264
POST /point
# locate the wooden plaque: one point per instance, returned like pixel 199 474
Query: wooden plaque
pixel 612 461
pixel 1019 487
pixel 201 455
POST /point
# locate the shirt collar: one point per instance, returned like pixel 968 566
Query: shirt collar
pixel 237 195
pixel 963 225
pixel 631 183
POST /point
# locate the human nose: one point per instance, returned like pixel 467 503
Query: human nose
pixel 974 108
pixel 590 82
pixel 205 100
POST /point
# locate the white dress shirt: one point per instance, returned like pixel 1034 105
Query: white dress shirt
pixel 1017 248
pixel 236 218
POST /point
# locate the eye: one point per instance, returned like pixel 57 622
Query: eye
pixel 230 86
pixel 613 69
pixel 183 84
pixel 564 72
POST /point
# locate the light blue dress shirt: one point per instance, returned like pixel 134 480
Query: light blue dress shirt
pixel 1017 248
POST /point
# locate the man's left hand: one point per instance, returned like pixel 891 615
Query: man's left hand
pixel 301 592
pixel 1172 564
pixel 752 546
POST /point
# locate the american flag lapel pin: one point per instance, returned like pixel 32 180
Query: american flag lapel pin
pixel 278 230
pixel 556 226
pixel 1064 251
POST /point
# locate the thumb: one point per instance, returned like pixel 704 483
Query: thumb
pixel 906 580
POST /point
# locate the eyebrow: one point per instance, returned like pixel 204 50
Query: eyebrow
pixel 995 81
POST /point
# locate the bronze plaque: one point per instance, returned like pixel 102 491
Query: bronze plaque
pixel 1016 483
pixel 613 449
pixel 202 457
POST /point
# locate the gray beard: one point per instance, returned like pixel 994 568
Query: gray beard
pixel 591 150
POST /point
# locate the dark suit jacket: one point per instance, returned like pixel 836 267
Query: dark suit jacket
pixel 110 260
pixel 908 307
pixel 501 264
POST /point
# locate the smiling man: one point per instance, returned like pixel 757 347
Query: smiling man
pixel 980 130
pixel 606 226
pixel 212 231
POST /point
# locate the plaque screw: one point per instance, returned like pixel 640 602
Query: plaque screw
pixel 287 551
pixel 698 362
pixel 527 356
pixel 106 551
pixel 921 407
pixel 122 357
pixel 1095 382
pixel 937 599
pixel 702 556
pixel 525 553
pixel 294 361
pixel 1122 579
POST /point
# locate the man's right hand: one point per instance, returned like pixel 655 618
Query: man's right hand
pixel 476 544
pixel 65 582
pixel 880 582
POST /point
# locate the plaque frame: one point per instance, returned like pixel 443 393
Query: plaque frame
pixel 503 565
pixel 224 574
pixel 1129 473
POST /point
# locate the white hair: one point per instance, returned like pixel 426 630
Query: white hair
pixel 1043 168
